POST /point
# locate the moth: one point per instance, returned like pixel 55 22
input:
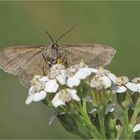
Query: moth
pixel 27 61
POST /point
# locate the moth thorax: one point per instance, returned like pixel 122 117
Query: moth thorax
pixel 53 51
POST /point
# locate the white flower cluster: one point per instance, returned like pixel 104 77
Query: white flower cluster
pixel 61 83
pixel 123 84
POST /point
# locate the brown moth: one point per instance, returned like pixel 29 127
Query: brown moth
pixel 27 61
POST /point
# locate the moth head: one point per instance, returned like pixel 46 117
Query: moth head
pixel 54 46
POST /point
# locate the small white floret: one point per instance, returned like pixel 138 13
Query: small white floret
pixel 81 74
pixel 106 81
pixel 112 77
pixel 29 99
pixel 73 82
pixel 44 79
pixel 57 100
pixel 63 96
pixel 73 94
pixel 61 78
pixel 51 86
pixel 39 96
pixel 132 86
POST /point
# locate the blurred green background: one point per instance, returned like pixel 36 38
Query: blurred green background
pixel 113 23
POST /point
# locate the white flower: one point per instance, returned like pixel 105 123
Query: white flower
pixel 61 78
pixel 132 86
pixel 77 73
pixel 103 79
pixel 83 73
pixel 122 84
pixel 96 83
pixel 35 96
pixel 65 95
pixel 44 79
pixel 39 96
pixel 73 81
pixel 137 82
pixel 136 127
pixel 106 81
pixel 58 72
pixel 51 86
pixel 112 77
pixel 103 72
pixel 37 83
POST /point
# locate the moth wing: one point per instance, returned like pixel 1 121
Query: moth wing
pixel 94 55
pixel 25 79
pixel 23 61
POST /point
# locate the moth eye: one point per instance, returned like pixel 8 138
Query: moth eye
pixel 55 46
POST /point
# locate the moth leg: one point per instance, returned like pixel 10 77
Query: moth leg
pixel 45 59
pixel 63 58
pixel 59 59
pixel 44 71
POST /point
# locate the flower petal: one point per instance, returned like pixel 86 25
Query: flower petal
pixel 44 79
pixel 51 86
pixel 97 83
pixel 39 96
pixel 73 81
pixel 73 94
pixel 93 70
pixel 138 85
pixel 57 101
pixel 106 81
pixel 61 78
pixel 29 99
pixel 81 73
pixel 112 77
pixel 119 89
pixel 132 86
pixel 136 127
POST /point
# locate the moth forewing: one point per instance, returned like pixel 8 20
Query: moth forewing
pixel 94 55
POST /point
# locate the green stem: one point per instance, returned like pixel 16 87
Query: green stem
pixel 101 113
pixel 126 123
pixel 135 114
pixel 112 134
pixel 86 120
pixel 80 134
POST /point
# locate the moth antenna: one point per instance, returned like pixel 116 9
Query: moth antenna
pixel 65 34
pixel 48 34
